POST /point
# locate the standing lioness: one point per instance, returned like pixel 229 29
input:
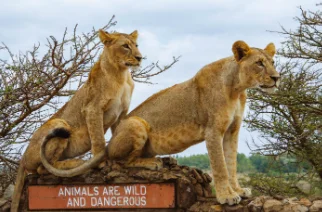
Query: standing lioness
pixel 207 107
pixel 80 125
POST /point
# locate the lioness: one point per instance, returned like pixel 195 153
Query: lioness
pixel 207 107
pixel 80 125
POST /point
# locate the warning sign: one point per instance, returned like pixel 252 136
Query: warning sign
pixel 102 196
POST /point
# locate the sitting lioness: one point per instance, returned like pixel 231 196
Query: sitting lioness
pixel 80 125
pixel 207 107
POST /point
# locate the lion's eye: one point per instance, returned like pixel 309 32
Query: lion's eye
pixel 126 46
pixel 136 45
pixel 260 63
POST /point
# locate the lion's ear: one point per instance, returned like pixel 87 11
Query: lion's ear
pixel 105 37
pixel 240 50
pixel 270 49
pixel 134 35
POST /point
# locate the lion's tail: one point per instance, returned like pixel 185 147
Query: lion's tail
pixel 64 133
pixel 20 180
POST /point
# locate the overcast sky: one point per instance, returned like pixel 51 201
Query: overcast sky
pixel 200 31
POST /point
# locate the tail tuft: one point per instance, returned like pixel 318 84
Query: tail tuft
pixel 60 132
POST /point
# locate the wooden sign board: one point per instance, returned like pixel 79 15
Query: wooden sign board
pixel 102 196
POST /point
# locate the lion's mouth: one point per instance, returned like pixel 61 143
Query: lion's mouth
pixel 131 65
pixel 265 86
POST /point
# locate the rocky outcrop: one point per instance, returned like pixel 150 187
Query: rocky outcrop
pixel 262 204
pixel 193 190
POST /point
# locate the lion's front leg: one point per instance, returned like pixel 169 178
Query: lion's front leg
pixel 95 127
pixel 224 192
pixel 230 145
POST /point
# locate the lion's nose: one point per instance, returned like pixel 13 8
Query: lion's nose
pixel 275 78
pixel 139 58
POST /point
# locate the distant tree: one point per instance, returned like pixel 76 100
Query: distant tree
pixel 290 121
pixel 259 162
pixel 281 176
pixel 200 161
pixel 244 164
pixel 34 86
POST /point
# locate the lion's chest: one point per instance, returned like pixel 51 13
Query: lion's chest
pixel 234 113
pixel 236 109
pixel 116 106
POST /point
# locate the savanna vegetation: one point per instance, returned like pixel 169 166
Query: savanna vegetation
pixel 253 164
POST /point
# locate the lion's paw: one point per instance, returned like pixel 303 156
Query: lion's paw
pixel 244 192
pixel 157 164
pixel 230 199
pixel 41 170
pixel 102 165
pixel 147 163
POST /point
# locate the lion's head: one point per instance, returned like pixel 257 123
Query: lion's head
pixel 121 49
pixel 256 66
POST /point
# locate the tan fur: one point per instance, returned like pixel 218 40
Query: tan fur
pixel 207 107
pixel 98 105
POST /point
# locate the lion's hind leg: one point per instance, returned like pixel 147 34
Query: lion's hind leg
pixel 53 152
pixel 128 142
pixel 57 131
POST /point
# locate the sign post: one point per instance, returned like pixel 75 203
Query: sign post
pixel 70 197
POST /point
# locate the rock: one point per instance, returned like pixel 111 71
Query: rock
pixel 8 192
pixel 185 171
pixel 175 168
pixel 257 204
pixel 148 175
pixel 296 207
pixel 204 177
pixel 316 206
pixel 279 197
pixel 195 207
pixel 2 202
pixel 169 176
pixel 208 191
pixel 304 186
pixel 198 189
pixel 48 180
pixel 205 207
pixel 216 208
pixel 197 176
pixel 234 208
pixel 32 179
pixel 106 169
pixel 192 179
pixel 169 161
pixel 213 200
pixel 306 202
pixel 94 178
pixel 273 205
pixel 116 167
pixel 208 177
pixel 292 199
pixel 5 207
pixel 114 174
pixel 186 195
pixel 123 179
